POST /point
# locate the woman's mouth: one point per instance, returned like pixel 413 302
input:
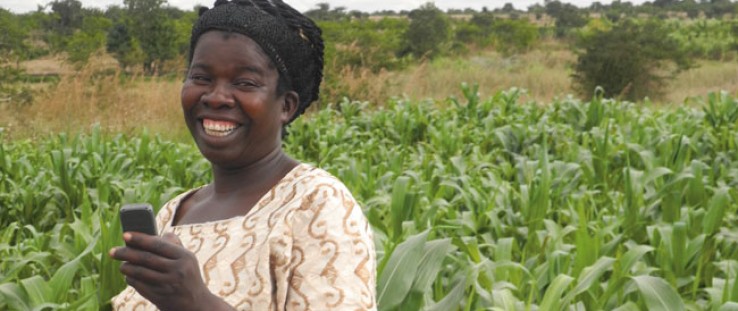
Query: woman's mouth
pixel 218 128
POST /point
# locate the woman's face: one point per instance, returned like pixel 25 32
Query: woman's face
pixel 230 100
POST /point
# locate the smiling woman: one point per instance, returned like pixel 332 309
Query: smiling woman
pixel 268 233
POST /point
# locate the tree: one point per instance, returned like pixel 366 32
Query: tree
pixel 690 7
pixel 632 60
pixel 65 18
pixel 567 16
pixel 68 16
pixel 719 8
pixel 124 47
pixel 596 7
pixel 89 39
pixel 13 49
pixel 665 3
pixel 508 8
pixel 12 38
pixel 148 24
pixel 428 31
pixel 537 9
pixel 323 12
pixel 514 36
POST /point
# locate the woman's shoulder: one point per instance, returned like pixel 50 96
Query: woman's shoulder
pixel 322 194
pixel 314 180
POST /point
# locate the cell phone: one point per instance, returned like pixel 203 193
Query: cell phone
pixel 138 217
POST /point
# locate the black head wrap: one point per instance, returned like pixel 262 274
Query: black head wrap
pixel 291 40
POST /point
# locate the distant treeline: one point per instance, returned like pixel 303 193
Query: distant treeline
pixel 148 33
pixel 152 37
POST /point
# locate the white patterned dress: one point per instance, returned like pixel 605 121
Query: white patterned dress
pixel 304 246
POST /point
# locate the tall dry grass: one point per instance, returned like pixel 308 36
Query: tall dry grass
pixel 101 96
pixel 91 97
pixel 543 72
pixel 709 76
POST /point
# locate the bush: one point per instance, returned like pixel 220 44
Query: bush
pixel 630 61
pixel 514 36
pixel 428 32
pixel 12 90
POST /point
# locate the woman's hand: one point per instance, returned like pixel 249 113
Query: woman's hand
pixel 165 273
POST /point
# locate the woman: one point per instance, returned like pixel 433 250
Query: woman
pixel 268 233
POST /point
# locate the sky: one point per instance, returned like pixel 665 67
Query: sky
pixel 22 6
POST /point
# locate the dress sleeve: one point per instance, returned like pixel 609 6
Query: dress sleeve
pixel 333 259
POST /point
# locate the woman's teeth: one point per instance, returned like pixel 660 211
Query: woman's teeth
pixel 218 128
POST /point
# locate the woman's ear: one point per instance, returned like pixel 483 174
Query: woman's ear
pixel 290 103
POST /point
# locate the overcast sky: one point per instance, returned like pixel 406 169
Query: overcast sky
pixel 22 6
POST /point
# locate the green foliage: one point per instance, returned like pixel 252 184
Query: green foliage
pixel 13 49
pixel 567 17
pixel 183 30
pixel 514 36
pixel 470 33
pixel 477 31
pixel 91 38
pixel 356 47
pixel 146 32
pixel 509 36
pixel 12 90
pixel 154 31
pixel 364 43
pixel 124 47
pixel 428 32
pixel 323 12
pixel 12 37
pixel 631 61
pixel 706 39
pixel 65 18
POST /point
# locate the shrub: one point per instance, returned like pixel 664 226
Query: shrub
pixel 514 36
pixel 428 31
pixel 630 61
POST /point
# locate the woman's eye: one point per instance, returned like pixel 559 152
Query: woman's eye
pixel 200 79
pixel 245 83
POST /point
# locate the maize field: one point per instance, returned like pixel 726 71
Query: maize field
pixel 476 203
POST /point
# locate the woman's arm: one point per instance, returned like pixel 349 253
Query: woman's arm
pixel 333 254
pixel 165 273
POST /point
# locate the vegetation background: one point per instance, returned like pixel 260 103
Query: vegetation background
pixel 598 172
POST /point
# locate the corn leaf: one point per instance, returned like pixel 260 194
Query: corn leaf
pixel 399 273
pixel 657 294
pixel 729 306
pixel 552 298
pixel 716 211
pixel 430 264
pixel 37 289
pixel 590 275
pixel 14 297
pixel 452 300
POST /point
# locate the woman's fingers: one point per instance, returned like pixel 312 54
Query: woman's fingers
pixel 141 258
pixel 165 247
pixel 142 274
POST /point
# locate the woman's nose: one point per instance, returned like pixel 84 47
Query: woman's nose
pixel 219 96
